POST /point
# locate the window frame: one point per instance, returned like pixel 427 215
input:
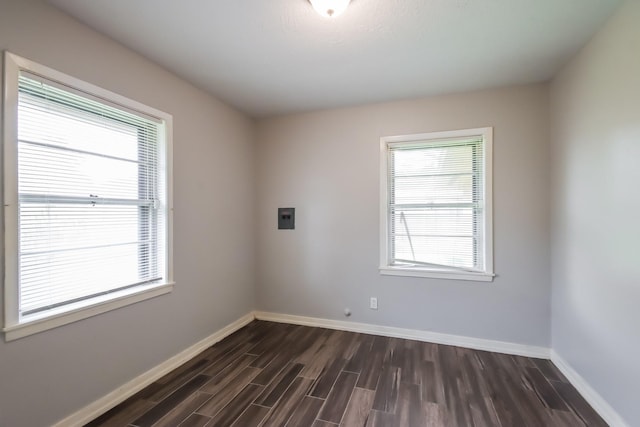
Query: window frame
pixel 385 267
pixel 14 327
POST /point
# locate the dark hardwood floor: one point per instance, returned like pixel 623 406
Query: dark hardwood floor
pixel 271 374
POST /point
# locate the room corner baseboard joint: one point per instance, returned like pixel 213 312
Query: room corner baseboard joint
pixel 119 395
pixel 597 402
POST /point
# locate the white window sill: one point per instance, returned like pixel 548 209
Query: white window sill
pixel 436 274
pixel 64 315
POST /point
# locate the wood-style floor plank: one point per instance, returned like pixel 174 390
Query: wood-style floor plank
pixel 579 406
pixel 285 407
pixel 271 374
pixel 359 359
pixel 196 420
pixel 251 417
pixel 545 391
pixel 338 398
pixel 277 387
pixel 273 368
pixel 306 412
pixel 409 411
pixel 387 391
pixel 380 419
pixel 229 358
pixel 549 370
pixel 173 400
pixel 326 379
pixel 222 379
pixel 183 410
pixel 123 414
pixel 358 408
pixel 435 415
pixel 371 371
pixel 225 395
pixel 236 407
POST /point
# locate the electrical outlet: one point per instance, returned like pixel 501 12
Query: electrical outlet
pixel 373 303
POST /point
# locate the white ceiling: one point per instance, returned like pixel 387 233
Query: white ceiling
pixel 270 57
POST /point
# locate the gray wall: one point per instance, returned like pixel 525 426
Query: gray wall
pixel 47 376
pixel 326 165
pixel 596 212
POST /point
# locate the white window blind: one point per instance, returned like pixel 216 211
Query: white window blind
pixel 436 203
pixel 89 192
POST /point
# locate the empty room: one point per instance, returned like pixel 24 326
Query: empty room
pixel 320 213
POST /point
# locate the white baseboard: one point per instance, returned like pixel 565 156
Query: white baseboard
pixel 119 395
pixel 102 405
pixel 594 398
pixel 412 334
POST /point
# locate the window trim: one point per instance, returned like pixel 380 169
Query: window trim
pixel 385 268
pixel 14 328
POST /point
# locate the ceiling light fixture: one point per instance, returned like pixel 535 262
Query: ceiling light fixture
pixel 329 8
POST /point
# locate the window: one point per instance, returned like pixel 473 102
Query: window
pixel 87 199
pixel 436 205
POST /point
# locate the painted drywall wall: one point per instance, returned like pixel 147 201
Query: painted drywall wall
pixel 595 211
pixel 326 165
pixel 47 376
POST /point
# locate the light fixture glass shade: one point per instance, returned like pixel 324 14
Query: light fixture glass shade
pixel 330 8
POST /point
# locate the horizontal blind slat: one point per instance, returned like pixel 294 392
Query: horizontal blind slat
pixel 435 202
pixel 88 191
